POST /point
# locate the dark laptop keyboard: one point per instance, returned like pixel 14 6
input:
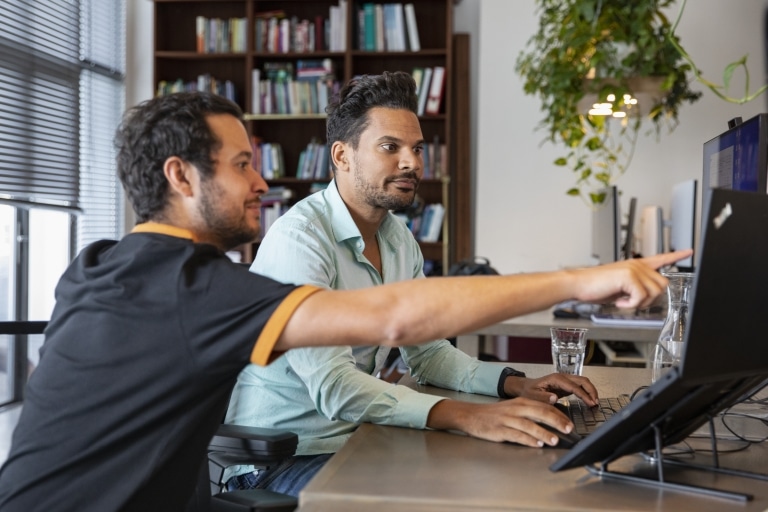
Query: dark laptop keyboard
pixel 586 419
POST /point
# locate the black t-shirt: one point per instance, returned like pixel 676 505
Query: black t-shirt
pixel 144 345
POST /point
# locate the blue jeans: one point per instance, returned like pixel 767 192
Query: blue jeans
pixel 288 477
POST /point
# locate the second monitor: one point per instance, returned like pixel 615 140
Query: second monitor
pixel 613 240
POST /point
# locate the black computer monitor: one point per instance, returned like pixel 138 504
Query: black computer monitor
pixel 629 230
pixel 737 159
pixel 682 222
pixel 606 228
pixel 724 356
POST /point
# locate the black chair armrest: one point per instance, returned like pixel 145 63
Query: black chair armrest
pixel 238 444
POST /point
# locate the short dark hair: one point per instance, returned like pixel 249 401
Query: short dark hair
pixel 157 129
pixel 348 112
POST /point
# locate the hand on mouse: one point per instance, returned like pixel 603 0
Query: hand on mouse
pixel 517 420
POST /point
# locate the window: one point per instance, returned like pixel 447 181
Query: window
pixel 61 98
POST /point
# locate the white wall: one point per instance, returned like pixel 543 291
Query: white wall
pixel 524 220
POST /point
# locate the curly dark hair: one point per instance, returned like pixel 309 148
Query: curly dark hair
pixel 348 112
pixel 156 129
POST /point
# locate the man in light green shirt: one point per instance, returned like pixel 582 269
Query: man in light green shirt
pixel 344 238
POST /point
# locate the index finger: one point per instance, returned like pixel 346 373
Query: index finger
pixel 666 258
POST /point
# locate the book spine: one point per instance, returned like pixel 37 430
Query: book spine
pixel 424 90
pixel 413 29
pixel 200 26
pixel 436 87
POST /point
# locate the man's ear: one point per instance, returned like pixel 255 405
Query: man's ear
pixel 340 154
pixel 180 175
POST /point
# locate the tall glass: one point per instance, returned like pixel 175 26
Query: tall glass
pixel 669 348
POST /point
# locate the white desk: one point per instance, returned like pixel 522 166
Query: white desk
pixel 384 468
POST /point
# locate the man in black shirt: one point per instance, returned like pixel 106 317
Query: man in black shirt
pixel 150 332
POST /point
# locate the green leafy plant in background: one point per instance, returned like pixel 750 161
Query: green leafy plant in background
pixel 609 49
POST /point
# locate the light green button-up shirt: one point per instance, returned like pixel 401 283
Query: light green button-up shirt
pixel 322 394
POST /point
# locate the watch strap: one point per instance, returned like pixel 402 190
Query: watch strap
pixel 507 372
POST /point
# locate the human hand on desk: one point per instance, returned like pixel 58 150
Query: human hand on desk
pixel 515 420
pixel 551 387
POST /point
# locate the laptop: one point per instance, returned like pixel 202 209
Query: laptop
pixel 725 357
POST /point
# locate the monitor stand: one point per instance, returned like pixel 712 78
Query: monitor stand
pixel 603 472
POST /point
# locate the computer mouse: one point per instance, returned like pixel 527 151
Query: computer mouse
pixel 564 440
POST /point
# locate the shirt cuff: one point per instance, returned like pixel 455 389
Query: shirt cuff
pixel 413 409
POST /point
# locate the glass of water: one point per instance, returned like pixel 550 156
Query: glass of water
pixel 568 347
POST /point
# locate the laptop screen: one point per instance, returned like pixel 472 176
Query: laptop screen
pixel 728 325
pixel 724 356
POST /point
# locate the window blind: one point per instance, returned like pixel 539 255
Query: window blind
pixel 61 98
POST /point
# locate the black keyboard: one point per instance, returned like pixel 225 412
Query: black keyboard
pixel 585 418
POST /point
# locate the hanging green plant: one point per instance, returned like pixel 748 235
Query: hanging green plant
pixel 585 63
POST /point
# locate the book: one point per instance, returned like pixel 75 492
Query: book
pixel 320 43
pixel 436 87
pixel 342 25
pixel 200 33
pixel 256 91
pixel 413 30
pixel 398 31
pixel 432 223
pixel 378 16
pixel 369 18
pixel 418 77
pixel 424 90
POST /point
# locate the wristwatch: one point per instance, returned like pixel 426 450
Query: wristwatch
pixel 507 372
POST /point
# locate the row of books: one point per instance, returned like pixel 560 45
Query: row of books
pixel 277 90
pixel 428 225
pixel 216 35
pixel 430 86
pixel 434 155
pixel 273 204
pixel 383 27
pixel 314 162
pixel 204 82
pixel 267 158
pixel 277 201
pixel 276 33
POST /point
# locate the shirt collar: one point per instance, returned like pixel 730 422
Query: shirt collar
pixel 164 229
pixel 344 227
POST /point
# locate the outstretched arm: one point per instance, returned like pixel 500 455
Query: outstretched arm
pixel 413 312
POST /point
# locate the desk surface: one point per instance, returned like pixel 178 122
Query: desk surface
pixel 389 468
pixel 536 325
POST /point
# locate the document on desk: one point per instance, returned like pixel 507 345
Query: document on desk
pixel 627 319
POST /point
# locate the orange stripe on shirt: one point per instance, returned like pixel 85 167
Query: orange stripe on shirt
pixel 262 351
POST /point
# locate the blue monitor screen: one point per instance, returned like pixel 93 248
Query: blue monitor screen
pixel 736 159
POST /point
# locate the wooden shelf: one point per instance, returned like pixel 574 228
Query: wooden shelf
pixel 175 57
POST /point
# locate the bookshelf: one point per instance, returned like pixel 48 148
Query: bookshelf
pixel 238 67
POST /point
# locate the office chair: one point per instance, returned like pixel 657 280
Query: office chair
pixel 261 447
pixel 21 365
pixel 241 445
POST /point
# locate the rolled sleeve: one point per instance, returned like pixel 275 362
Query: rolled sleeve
pixel 263 350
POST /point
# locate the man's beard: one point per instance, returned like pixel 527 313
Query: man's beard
pixel 379 198
pixel 229 232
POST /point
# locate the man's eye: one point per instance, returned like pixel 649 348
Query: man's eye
pixel 418 149
pixel 388 147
